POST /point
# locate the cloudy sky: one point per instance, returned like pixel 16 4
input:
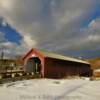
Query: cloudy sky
pixel 68 27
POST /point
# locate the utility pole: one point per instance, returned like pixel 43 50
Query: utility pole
pixel 2 55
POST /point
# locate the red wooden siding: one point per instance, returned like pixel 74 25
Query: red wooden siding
pixel 34 53
pixel 59 68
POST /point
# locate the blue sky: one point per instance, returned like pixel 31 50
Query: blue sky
pixel 68 27
pixel 10 33
pixel 94 15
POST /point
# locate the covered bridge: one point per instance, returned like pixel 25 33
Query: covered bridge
pixel 51 65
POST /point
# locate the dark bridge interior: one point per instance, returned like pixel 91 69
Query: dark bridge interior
pixel 33 65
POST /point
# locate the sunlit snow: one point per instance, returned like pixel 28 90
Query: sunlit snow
pixel 50 89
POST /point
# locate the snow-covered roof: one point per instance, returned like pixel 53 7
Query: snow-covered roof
pixel 58 56
pixel 61 57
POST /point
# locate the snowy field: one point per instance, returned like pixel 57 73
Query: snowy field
pixel 49 89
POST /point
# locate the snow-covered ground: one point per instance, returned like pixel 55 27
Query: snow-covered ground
pixel 50 89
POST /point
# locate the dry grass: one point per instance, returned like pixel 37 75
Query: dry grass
pixel 95 63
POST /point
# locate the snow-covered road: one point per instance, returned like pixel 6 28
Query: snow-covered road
pixel 49 89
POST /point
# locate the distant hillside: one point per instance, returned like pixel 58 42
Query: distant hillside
pixel 95 63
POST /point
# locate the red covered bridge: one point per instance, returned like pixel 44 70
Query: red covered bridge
pixel 51 65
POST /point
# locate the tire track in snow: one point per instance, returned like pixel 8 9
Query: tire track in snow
pixel 73 87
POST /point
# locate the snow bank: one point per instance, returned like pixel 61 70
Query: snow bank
pixel 49 89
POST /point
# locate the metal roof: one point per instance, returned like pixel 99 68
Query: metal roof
pixel 61 57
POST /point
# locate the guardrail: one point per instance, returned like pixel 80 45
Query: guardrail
pixel 17 75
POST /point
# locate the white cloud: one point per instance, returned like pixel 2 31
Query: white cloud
pixel 52 24
pixel 89 39
pixel 29 41
pixel 6 4
pixel 94 38
pixel 2 38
